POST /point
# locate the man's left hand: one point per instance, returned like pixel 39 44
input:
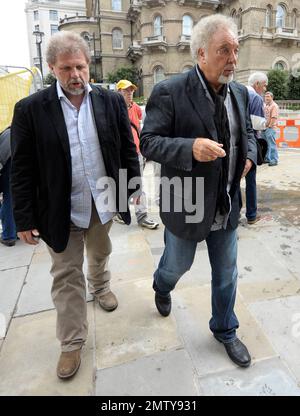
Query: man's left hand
pixel 247 167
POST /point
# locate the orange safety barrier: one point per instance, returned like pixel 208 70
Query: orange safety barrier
pixel 288 132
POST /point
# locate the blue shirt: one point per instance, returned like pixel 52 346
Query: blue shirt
pixel 87 162
pixel 257 115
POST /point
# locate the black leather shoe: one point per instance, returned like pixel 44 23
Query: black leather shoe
pixel 163 304
pixel 238 352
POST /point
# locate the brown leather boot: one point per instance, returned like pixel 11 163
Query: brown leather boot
pixel 108 302
pixel 68 364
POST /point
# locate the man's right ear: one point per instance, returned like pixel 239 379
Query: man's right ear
pixel 201 55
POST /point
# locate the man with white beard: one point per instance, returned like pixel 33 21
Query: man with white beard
pixel 198 126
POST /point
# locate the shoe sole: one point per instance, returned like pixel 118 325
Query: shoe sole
pixel 64 377
pixel 150 227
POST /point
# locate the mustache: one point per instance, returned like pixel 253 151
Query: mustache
pixel 76 81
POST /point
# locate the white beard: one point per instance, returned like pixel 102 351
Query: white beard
pixel 225 80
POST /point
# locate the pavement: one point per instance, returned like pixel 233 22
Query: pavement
pixel 133 350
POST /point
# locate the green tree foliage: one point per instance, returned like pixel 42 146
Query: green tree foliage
pixel 294 87
pixel 49 79
pixel 124 72
pixel 278 83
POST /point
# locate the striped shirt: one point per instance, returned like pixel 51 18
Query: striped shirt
pixel 87 161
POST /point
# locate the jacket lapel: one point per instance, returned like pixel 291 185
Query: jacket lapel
pixel 196 94
pixel 53 109
pixel 240 106
pixel 99 108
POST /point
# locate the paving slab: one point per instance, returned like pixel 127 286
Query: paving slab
pixel 130 266
pixel 256 262
pixel 134 329
pixel 280 320
pixel 266 290
pixel 168 373
pixel 16 256
pixel 264 378
pixel 192 310
pixel 29 356
pixel 11 283
pixel 36 293
pixel 125 242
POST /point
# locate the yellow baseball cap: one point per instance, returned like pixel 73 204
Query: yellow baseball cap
pixel 124 83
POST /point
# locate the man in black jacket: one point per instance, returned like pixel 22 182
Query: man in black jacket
pixel 72 157
pixel 198 127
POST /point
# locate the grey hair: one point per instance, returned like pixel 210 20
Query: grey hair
pixel 269 93
pixel 206 28
pixel 257 77
pixel 66 42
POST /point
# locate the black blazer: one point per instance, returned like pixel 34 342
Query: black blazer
pixel 41 160
pixel 177 113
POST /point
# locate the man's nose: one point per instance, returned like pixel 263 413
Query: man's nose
pixel 233 57
pixel 75 73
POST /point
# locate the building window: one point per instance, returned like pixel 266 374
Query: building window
pixel 117 39
pixel 36 15
pixel 157 26
pixel 53 14
pixel 86 36
pixel 239 22
pixel 269 16
pixel 280 65
pixel 116 5
pixel 158 74
pixel 294 19
pixel 187 25
pixel 280 16
pixel 53 29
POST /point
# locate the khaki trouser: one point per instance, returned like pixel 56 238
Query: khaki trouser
pixel 69 289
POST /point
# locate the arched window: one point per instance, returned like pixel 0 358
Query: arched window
pixel 117 39
pixel 280 65
pixel 158 74
pixel 187 25
pixel 116 5
pixel 157 25
pixel 269 16
pixel 280 16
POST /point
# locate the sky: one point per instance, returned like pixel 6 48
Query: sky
pixel 13 33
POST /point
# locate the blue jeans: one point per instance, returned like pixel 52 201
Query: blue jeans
pixel 6 213
pixel 272 153
pixel 251 198
pixel 178 257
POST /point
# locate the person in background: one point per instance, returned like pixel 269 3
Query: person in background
pixel 271 110
pixel 126 89
pixel 257 85
pixel 9 234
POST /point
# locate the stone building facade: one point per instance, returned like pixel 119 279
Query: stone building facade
pixel 42 18
pixel 154 35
